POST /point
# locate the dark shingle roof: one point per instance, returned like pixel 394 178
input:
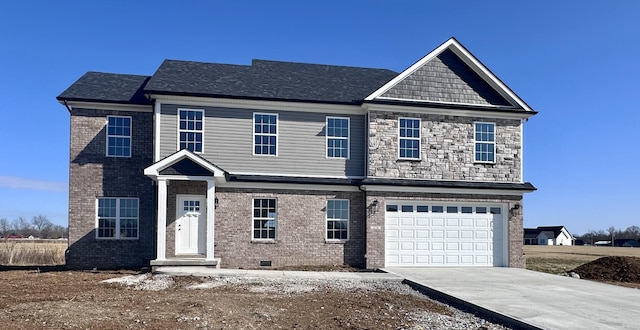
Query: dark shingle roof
pixel 107 87
pixel 269 80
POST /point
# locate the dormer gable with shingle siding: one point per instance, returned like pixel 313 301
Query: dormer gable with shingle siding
pixel 449 76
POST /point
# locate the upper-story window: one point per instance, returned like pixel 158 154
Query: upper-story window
pixel 265 134
pixel 409 138
pixel 485 141
pixel 337 137
pixel 118 136
pixel 190 130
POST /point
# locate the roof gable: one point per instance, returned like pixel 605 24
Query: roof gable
pixel 450 74
pixel 184 163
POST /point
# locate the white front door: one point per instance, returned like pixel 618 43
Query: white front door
pixel 191 218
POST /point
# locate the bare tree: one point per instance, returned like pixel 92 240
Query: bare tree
pixel 5 227
pixel 612 233
pixel 632 232
pixel 42 225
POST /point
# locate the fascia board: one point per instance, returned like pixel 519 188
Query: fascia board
pixel 258 104
pixel 488 113
pixel 440 190
pixel 110 106
pixel 154 170
pixel 287 186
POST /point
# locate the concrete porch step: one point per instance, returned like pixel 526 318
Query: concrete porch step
pixel 185 262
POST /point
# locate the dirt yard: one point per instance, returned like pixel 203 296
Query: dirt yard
pixel 613 265
pixel 74 300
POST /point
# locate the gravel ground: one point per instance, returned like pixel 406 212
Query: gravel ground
pixel 441 317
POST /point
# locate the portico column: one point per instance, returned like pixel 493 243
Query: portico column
pixel 211 213
pixel 161 243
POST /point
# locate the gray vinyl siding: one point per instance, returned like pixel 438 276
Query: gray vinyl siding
pixel 228 142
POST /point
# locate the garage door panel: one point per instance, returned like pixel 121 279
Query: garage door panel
pixel 420 233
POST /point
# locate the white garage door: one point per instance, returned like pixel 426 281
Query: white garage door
pixel 437 234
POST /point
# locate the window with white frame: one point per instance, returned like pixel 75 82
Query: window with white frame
pixel 337 137
pixel 337 219
pixel 118 136
pixel 117 218
pixel 264 219
pixel 190 130
pixel 485 142
pixel 265 134
pixel 409 138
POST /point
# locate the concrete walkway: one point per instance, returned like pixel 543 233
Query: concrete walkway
pixel 543 300
pixel 205 271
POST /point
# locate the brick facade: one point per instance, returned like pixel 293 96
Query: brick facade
pixel 92 175
pixel 300 229
pixel 447 149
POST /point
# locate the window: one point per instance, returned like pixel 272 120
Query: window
pixel 190 130
pixel 117 218
pixel 118 136
pixel 337 219
pixel 337 137
pixel 409 141
pixel 265 134
pixel 264 218
pixel 485 142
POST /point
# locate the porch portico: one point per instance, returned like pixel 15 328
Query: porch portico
pixel 186 166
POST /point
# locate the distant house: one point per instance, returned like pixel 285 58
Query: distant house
pixel 548 235
pixel 624 242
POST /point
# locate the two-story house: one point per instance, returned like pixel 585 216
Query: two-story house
pixel 279 164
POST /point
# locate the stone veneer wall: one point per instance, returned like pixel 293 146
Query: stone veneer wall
pixel 376 231
pixel 300 233
pixel 92 175
pixel 447 149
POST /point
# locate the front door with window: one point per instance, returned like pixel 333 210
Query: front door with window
pixel 190 225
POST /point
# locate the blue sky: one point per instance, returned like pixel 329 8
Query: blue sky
pixel 576 62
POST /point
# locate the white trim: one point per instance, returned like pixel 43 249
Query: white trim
pixel 326 221
pixel 211 216
pixel 298 175
pixel 443 190
pixel 161 239
pixel 109 106
pixel 488 113
pixel 157 115
pixel 466 57
pixel 419 139
pixel 253 127
pixel 327 137
pixel 475 143
pixel 287 186
pixel 154 170
pixel 106 152
pixel 261 105
pixel 522 150
pixel 489 106
pixel 178 130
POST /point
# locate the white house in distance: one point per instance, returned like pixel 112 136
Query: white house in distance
pixel 548 235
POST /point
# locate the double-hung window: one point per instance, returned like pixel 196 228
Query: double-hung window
pixel 409 138
pixel 264 219
pixel 485 142
pixel 265 134
pixel 117 218
pixel 190 130
pixel 337 219
pixel 118 136
pixel 337 137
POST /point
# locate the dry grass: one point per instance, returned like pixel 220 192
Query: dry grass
pixel 560 259
pixel 32 252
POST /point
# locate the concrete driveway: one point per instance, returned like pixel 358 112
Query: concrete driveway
pixel 538 299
